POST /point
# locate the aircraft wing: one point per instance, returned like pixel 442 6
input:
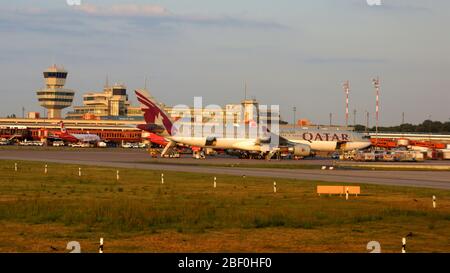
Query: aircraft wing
pixel 152 128
pixel 299 149
pixel 281 140
pixel 53 138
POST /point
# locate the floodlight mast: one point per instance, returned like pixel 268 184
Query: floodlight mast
pixel 376 84
pixel 346 86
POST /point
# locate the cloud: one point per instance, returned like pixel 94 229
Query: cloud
pixel 117 19
pixel 154 14
pixel 322 60
pixel 125 10
pixel 227 21
pixel 41 21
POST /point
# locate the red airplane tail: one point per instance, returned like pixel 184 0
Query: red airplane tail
pixel 153 113
pixel 62 128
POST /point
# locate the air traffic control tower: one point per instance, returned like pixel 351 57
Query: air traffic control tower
pixel 55 97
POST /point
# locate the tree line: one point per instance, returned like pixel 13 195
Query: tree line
pixel 428 126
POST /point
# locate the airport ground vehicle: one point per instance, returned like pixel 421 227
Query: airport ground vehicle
pixel 102 144
pixel 58 143
pixel 445 154
pixel 153 152
pixel 388 157
pixel 133 145
pixel 142 145
pixel 127 145
pixel 379 155
pixel 409 156
pixel 198 154
pixel 348 155
pixel 31 143
pixel 80 145
pixel 335 155
pixel 5 142
pixel 172 155
pixel 175 155
pixel 391 156
pixel 368 156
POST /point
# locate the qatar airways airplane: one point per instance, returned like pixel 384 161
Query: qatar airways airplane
pixel 299 142
pixel 326 140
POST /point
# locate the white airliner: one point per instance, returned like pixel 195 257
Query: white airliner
pixel 326 140
pixel 158 121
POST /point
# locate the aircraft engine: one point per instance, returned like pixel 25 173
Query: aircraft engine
pixel 300 150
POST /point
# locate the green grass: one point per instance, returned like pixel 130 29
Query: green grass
pixel 293 165
pixel 187 203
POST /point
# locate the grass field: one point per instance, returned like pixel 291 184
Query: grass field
pixel 276 165
pixel 43 212
pixel 296 166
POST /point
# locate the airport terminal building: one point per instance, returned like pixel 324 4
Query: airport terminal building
pixel 112 103
pixel 109 113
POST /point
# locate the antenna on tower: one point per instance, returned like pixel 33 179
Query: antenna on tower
pixel 107 81
pixel 245 90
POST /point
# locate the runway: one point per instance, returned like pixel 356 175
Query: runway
pixel 140 159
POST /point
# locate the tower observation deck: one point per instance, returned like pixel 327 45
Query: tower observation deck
pixel 54 97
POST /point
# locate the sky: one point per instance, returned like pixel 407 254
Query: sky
pixel 289 52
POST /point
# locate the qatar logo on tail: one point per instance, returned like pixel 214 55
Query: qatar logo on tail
pixel 153 114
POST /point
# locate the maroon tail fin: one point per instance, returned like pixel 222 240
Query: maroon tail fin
pixel 153 113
